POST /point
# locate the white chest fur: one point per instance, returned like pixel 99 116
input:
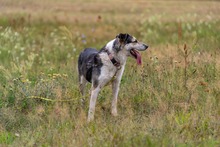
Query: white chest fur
pixel 108 70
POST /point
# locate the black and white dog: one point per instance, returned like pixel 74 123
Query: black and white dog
pixel 108 64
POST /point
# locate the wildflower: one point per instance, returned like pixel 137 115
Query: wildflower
pixel 83 36
pixel 84 41
pixel 17 135
pixel 65 75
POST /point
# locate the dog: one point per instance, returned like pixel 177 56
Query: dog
pixel 107 65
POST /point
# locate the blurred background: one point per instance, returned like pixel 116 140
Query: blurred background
pixel 173 99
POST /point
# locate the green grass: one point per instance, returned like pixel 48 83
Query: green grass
pixel 172 100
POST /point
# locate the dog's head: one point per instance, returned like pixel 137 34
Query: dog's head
pixel 128 43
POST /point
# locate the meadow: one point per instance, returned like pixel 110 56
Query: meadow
pixel 173 99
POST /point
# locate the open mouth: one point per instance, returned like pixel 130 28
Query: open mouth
pixel 136 55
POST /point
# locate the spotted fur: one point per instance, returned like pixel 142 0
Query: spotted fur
pixel 97 67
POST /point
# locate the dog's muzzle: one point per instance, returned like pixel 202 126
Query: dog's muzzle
pixel 135 54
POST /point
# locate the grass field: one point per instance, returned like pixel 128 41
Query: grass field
pixel 172 100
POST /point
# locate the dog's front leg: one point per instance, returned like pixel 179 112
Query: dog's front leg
pixel 115 90
pixel 94 95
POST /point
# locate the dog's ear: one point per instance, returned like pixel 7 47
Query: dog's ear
pixel 122 37
pixel 117 44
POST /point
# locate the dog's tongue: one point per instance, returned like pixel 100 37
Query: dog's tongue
pixel 139 62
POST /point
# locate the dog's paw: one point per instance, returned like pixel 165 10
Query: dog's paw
pixel 114 113
pixel 90 116
pixel 90 119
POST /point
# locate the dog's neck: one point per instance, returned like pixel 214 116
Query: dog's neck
pixel 119 55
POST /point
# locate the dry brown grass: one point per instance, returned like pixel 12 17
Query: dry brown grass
pixel 85 12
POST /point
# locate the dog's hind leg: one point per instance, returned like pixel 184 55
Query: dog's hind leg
pixel 94 95
pixel 82 85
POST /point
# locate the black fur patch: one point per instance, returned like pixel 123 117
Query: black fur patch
pixel 89 64
pixel 124 38
pixel 128 39
pixel 117 45
pixel 102 49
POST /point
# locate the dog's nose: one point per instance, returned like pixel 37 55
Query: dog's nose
pixel 146 46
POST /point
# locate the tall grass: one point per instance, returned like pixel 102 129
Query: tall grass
pixel 172 100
